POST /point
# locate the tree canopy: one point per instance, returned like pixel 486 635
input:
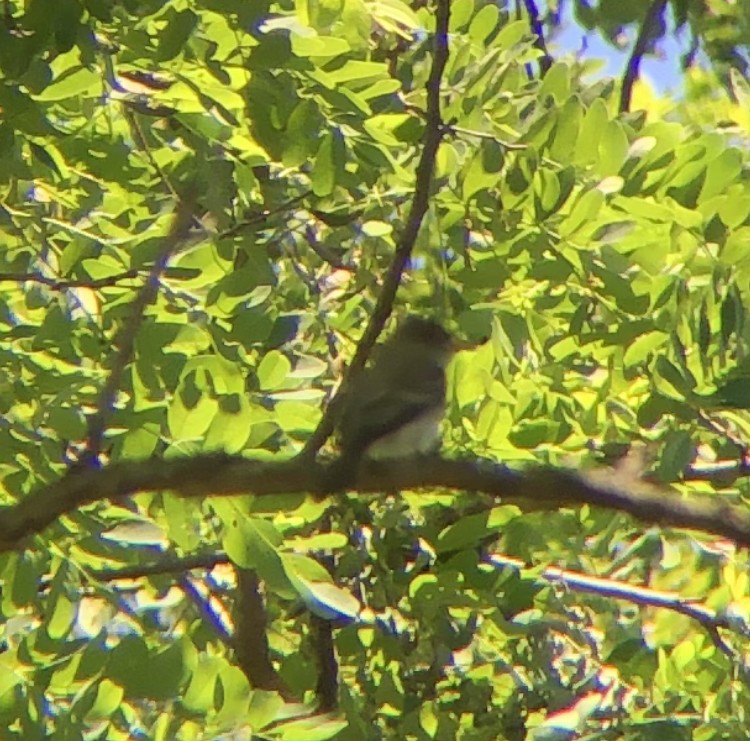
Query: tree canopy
pixel 212 211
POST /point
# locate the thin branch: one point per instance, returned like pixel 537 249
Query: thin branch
pixel 433 134
pixel 327 685
pixel 614 589
pixel 574 580
pixel 140 140
pixel 487 135
pixel 222 475
pixel 719 472
pixel 125 340
pixel 262 216
pixel 167 565
pixel 709 619
pixel 646 35
pixel 206 610
pixel 536 26
pixel 250 640
pixel 322 251
pixel 57 284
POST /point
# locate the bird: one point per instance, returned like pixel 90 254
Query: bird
pixel 393 409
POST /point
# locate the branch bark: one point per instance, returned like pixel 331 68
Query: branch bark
pixel 647 33
pixel 125 341
pixel 221 475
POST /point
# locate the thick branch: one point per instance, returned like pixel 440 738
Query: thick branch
pixel 218 475
pixel 432 135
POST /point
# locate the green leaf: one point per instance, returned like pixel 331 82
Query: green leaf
pixel 328 164
pixel 472 530
pixel 643 347
pixel 108 698
pixel 678 452
pixel 173 38
pixel 73 81
pixel 321 596
pixel 484 24
pixel 253 543
pixel 273 370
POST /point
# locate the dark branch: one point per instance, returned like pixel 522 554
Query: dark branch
pixel 262 216
pixel 433 134
pixel 218 475
pixel 58 284
pixel 207 612
pixel 168 565
pixel 647 33
pixel 125 340
pixel 536 26
pixel 250 638
pixel 327 686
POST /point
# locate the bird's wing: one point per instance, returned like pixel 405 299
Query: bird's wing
pixel 381 408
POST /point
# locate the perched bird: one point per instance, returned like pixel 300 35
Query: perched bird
pixel 393 408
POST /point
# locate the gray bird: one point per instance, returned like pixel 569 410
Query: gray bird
pixel 393 409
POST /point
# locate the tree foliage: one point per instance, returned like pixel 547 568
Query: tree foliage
pixel 201 205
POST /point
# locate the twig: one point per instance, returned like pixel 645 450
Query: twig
pixel 618 590
pixel 125 340
pixel 167 565
pixel 709 619
pixel 221 475
pixel 721 471
pixel 57 284
pixel 646 35
pixel 140 139
pixel 434 131
pixel 208 614
pixel 262 216
pixel 536 26
pixel 322 251
pixel 487 135
pixel 327 686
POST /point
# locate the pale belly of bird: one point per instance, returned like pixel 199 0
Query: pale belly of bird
pixel 420 436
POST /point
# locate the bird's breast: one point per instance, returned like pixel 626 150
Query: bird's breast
pixel 421 435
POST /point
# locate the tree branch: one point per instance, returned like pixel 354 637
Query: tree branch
pixel 646 35
pixel 167 565
pixel 696 610
pixel 536 26
pixel 250 639
pixel 614 589
pixel 263 215
pixel 206 610
pixel 125 340
pixel 423 180
pixel 221 475
pixel 57 284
